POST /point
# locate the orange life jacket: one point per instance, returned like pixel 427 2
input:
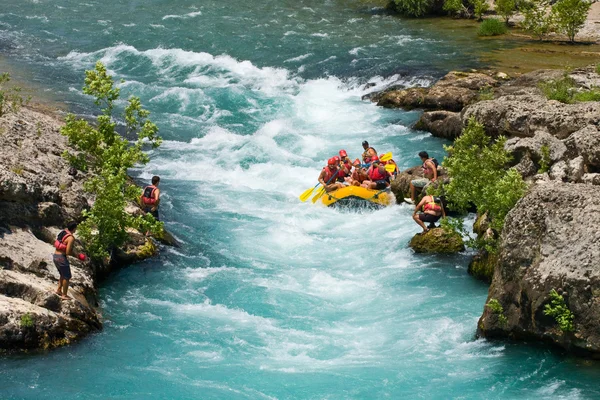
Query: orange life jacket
pixel 432 205
pixel 60 242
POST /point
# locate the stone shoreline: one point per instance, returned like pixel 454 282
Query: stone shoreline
pixel 37 198
pixel 551 239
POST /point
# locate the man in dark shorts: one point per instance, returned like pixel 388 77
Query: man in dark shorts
pixel 430 209
pixel 64 246
pixel 150 198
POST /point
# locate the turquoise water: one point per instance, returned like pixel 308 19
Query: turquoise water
pixel 270 297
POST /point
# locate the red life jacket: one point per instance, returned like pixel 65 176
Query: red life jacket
pixel 60 242
pixel 432 205
pixel 328 174
pixel 376 175
pixel 148 196
pixel 342 174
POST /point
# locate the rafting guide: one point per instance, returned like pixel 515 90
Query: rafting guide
pixel 150 198
pixel 64 247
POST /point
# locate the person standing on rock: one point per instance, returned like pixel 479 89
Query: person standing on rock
pixel 429 175
pixel 150 199
pixel 64 247
pixel 430 209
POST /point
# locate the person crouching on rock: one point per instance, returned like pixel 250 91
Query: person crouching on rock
pixel 328 175
pixel 379 178
pixel 64 247
pixel 150 199
pixel 430 209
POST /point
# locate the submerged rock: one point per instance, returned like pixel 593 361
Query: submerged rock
pixel 551 240
pixel 437 240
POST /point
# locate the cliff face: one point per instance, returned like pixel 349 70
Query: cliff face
pixel 551 240
pixel 38 196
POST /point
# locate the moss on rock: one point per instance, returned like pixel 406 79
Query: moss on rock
pixel 437 240
pixel 482 266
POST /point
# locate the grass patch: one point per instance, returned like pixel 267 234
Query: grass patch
pixel 545 160
pixel 17 169
pixel 492 27
pixel 559 310
pixel 27 321
pixel 486 93
pixel 565 91
pixel 587 95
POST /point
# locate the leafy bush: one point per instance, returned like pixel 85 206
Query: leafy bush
pixel 587 95
pixel 496 308
pixel 506 8
pixel 108 155
pixel 454 7
pixel 561 90
pixel 538 21
pixel 413 8
pixel 570 16
pixel 27 321
pixel 492 27
pixel 559 310
pixel 545 160
pixel 10 98
pixel 486 93
pixel 480 7
pixel 477 168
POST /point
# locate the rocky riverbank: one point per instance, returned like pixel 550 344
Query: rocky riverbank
pixel 551 239
pixel 38 196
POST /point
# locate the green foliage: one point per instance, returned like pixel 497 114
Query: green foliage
pixel 454 225
pixel 545 160
pixel 413 8
pixel 492 27
pixel 108 156
pixel 560 90
pixel 27 321
pixel 17 169
pixel 496 308
pixel 480 7
pixel 11 99
pixel 598 69
pixel 506 8
pixel 477 167
pixel 538 21
pixel 587 95
pixel 559 310
pixel 487 92
pixel 570 16
pixel 455 7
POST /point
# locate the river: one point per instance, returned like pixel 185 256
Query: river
pixel 270 297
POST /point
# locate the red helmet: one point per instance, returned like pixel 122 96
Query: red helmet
pixel 343 153
pixel 357 161
pixel 332 161
pixel 336 158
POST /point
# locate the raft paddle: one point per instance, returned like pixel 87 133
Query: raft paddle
pixel 306 194
pixel 390 168
pixel 386 157
pixel 321 191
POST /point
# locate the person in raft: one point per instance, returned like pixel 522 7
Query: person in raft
pixel 369 152
pixel 64 247
pixel 328 175
pixel 429 175
pixel 150 199
pixel 394 174
pixel 345 168
pixel 379 178
pixel 359 175
pixel 429 209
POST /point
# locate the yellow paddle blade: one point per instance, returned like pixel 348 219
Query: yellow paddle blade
pixel 306 194
pixel 390 168
pixel 320 193
pixel 386 157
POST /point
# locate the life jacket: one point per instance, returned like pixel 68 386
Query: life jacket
pixel 434 205
pixel 342 174
pixel 426 168
pixel 376 175
pixel 60 242
pixel 328 174
pixel 148 196
pixel 358 176
pixel 366 157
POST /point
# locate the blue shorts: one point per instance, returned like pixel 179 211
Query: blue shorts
pixel 62 265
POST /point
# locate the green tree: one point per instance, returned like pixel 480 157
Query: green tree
pixel 413 8
pixel 454 7
pixel 108 156
pixel 506 8
pixel 538 21
pixel 10 98
pixel 477 167
pixel 570 16
pixel 480 7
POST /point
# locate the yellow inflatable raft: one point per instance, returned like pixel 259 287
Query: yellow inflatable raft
pixel 356 195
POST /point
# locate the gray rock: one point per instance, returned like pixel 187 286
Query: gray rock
pixel 550 241
pixel 585 142
pixel 444 124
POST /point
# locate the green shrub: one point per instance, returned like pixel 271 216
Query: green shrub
pixel 538 21
pixel 587 95
pixel 454 7
pixel 413 8
pixel 109 156
pixel 492 27
pixel 561 90
pixel 477 167
pixel 496 308
pixel 27 321
pixel 480 7
pixel 545 160
pixel 506 8
pixel 486 93
pixel 559 310
pixel 570 16
pixel 10 98
pixel 598 69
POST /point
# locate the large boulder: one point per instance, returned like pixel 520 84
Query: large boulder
pixel 551 240
pixel 444 124
pixel 437 240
